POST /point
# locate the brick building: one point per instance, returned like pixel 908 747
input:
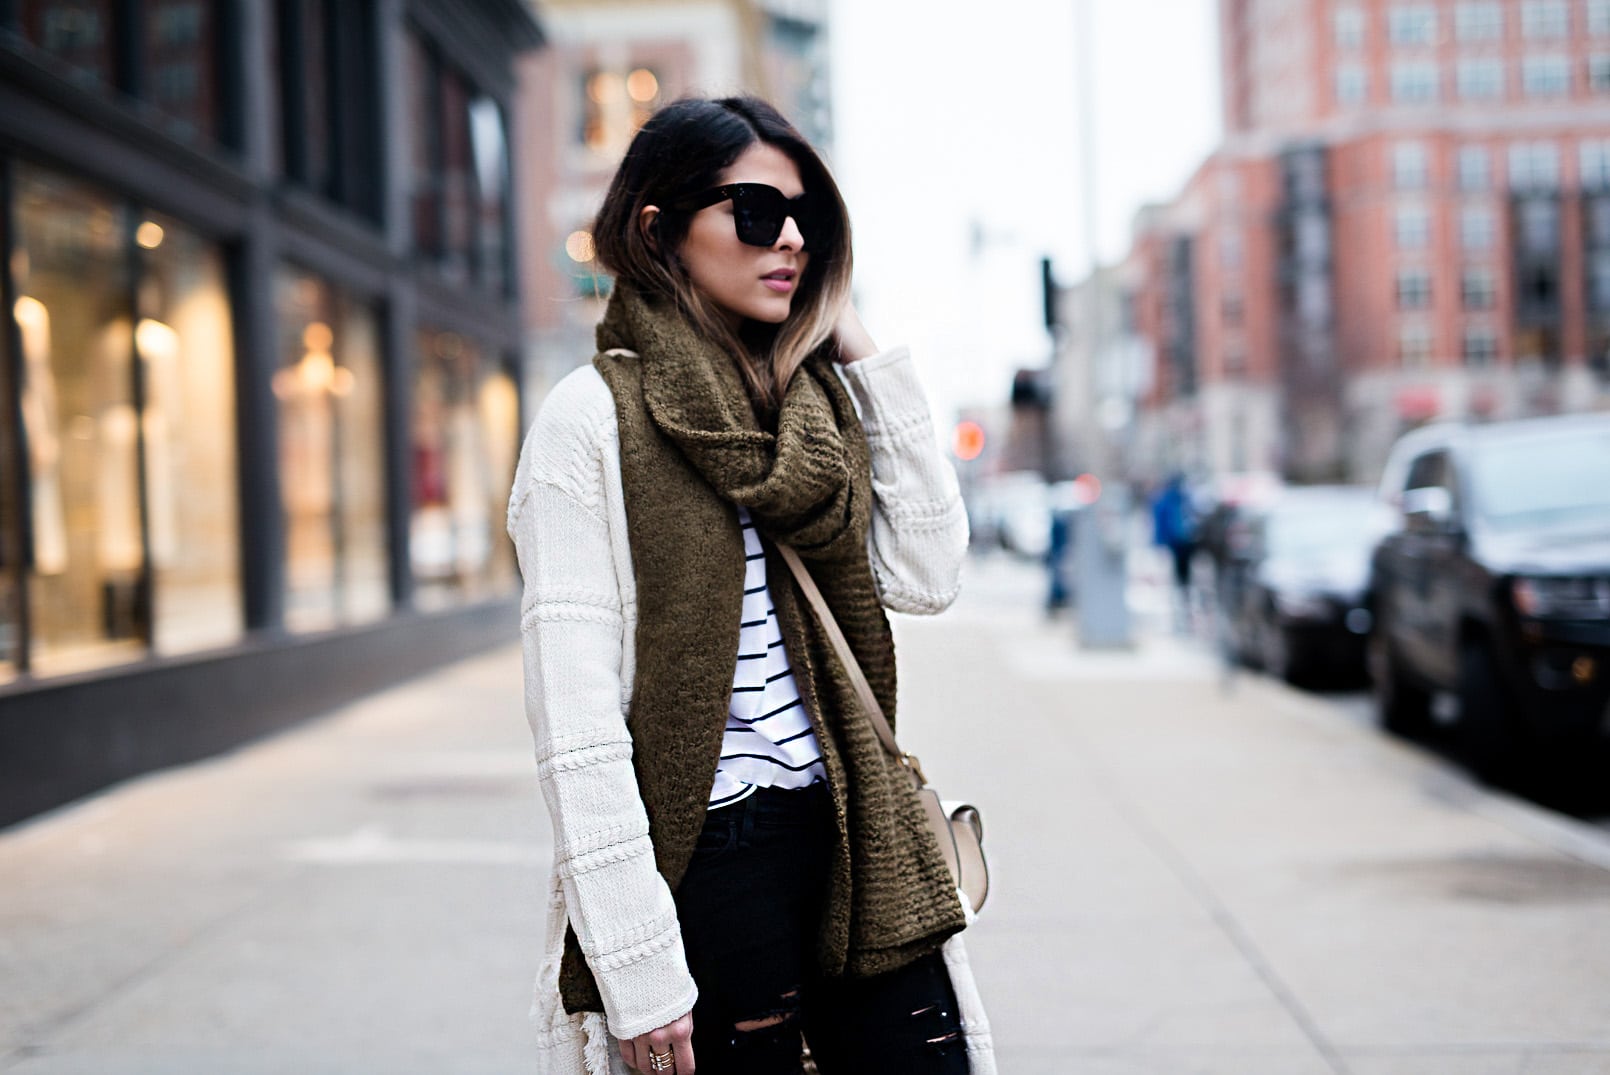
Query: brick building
pixel 609 65
pixel 1408 218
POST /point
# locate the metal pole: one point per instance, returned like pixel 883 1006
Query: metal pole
pixel 1084 65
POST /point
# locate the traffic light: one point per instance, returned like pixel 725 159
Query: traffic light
pixel 968 443
pixel 1048 293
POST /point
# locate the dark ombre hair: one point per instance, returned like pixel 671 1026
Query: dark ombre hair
pixel 680 152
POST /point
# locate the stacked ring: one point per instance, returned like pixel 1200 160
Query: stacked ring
pixel 661 1061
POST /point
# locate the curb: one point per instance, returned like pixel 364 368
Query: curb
pixel 1575 839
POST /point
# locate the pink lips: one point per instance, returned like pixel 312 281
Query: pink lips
pixel 781 281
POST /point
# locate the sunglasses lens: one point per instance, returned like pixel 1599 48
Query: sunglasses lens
pixel 761 211
pixel 759 215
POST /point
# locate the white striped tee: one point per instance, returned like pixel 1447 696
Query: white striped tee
pixel 768 742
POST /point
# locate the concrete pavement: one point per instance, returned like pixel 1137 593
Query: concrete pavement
pixel 1191 877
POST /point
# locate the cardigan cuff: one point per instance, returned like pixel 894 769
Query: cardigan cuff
pixel 887 391
pixel 635 993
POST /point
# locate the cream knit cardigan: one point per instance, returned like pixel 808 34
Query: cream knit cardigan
pixel 567 516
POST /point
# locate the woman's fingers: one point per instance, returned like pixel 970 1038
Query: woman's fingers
pixel 683 1046
pixel 658 1044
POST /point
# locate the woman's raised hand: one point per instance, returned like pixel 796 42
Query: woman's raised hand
pixel 851 336
pixel 675 1038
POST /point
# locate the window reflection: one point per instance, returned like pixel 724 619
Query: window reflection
pixel 76 33
pixel 465 440
pixel 179 38
pixel 86 601
pixel 459 171
pixel 185 342
pixel 164 52
pixel 492 182
pixel 332 462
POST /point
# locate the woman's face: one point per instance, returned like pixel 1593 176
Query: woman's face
pixel 748 282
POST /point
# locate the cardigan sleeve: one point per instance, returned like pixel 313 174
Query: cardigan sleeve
pixel 919 526
pixel 572 629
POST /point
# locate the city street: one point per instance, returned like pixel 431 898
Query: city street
pixel 1194 873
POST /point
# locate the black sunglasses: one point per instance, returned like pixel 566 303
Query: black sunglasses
pixel 759 211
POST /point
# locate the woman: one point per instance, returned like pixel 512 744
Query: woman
pixel 737 862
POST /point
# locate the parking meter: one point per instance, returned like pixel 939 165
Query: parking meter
pixel 1100 554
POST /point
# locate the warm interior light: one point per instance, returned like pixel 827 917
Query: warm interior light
pixel 149 235
pixel 604 87
pixel 642 86
pixel 580 246
pixel 156 340
pixel 31 313
pixel 316 371
pixel 341 382
pixel 317 336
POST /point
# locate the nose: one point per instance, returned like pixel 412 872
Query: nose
pixel 790 238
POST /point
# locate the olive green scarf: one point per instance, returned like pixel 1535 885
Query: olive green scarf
pixel 691 448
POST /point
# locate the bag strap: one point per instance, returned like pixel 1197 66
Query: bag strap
pixel 852 667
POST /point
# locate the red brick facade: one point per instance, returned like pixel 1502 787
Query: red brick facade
pixel 1409 217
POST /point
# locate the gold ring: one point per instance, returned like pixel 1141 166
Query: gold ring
pixel 661 1061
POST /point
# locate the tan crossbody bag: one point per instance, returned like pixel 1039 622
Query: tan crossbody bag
pixel 956 825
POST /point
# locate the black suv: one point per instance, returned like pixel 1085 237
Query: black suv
pixel 1494 587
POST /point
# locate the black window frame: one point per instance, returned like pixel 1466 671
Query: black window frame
pixel 353 112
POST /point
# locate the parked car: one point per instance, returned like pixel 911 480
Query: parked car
pixel 1012 511
pixel 1302 570
pixel 1495 587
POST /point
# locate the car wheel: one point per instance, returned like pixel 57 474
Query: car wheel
pixel 1487 733
pixel 1276 650
pixel 1403 708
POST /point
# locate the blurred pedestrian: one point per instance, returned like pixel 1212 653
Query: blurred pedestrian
pixel 1174 528
pixel 738 862
pixel 1058 590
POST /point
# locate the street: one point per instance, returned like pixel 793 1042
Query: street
pixel 1193 873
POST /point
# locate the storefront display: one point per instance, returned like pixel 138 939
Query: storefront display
pixel 332 455
pixel 465 441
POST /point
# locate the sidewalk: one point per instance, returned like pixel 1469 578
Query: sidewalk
pixel 1191 877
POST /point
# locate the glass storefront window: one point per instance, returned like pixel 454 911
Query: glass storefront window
pixel 332 455
pixel 11 536
pixel 75 33
pixel 87 605
pixel 491 149
pixel 185 340
pixel 465 442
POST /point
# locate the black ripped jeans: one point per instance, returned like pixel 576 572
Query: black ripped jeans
pixel 750 904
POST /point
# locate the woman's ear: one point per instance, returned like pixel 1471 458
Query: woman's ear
pixel 647 218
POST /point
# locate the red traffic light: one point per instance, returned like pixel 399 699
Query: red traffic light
pixel 969 441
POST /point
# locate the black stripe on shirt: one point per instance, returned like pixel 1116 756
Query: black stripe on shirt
pixel 740 793
pixel 774 761
pixel 774 712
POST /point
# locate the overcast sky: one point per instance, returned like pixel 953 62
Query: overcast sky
pixel 943 121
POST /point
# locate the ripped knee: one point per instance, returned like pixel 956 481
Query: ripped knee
pixel 785 1013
